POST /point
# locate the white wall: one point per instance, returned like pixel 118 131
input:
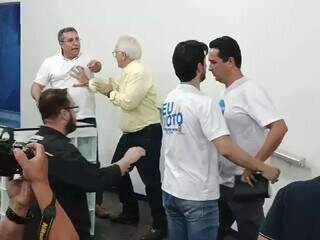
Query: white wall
pixel 279 42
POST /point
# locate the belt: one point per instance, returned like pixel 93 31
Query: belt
pixel 148 128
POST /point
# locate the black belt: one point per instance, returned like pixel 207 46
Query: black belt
pixel 146 129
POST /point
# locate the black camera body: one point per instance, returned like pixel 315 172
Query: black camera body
pixel 8 164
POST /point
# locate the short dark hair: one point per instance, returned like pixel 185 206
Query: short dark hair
pixel 52 101
pixel 64 30
pixel 228 47
pixel 186 57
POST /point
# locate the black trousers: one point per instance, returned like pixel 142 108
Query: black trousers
pixel 247 213
pixel 150 139
pixel 99 195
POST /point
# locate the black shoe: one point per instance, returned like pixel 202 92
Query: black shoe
pixel 155 234
pixel 123 218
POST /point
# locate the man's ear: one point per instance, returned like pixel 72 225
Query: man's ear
pixel 124 56
pixel 60 44
pixel 199 67
pixel 232 61
pixel 64 114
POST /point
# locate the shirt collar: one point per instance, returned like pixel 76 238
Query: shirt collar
pixel 67 59
pixel 132 65
pixel 237 83
pixel 188 87
pixel 48 130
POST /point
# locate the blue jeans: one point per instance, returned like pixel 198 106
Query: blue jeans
pixel 191 220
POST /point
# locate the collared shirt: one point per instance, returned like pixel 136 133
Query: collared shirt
pixel 55 73
pixel 135 94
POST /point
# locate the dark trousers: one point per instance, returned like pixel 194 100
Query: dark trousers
pixel 247 213
pixel 150 139
pixel 99 195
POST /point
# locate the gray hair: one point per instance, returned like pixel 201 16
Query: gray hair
pixel 130 46
pixel 63 30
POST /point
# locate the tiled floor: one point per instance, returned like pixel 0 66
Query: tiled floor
pixel 106 230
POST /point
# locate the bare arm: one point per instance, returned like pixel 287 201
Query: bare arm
pixel 62 227
pixel 235 154
pixel 276 133
pixel 10 230
pixel 35 170
pixel 36 90
pixel 20 195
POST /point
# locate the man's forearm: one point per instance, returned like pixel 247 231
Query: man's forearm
pixel 274 137
pixel 43 194
pixel 36 90
pixel 243 159
pixel 240 157
pixel 62 227
pixel 10 230
pixel 111 175
pixel 237 155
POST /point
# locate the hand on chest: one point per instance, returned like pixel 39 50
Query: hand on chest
pixel 62 74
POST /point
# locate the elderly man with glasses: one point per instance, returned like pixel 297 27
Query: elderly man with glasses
pixel 58 72
pixel 135 94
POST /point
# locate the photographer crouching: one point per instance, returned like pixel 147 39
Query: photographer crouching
pixel 55 223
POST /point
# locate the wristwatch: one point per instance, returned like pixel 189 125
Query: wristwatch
pixel 12 216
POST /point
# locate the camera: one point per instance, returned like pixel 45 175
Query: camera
pixel 8 164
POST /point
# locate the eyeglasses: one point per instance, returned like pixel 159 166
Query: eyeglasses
pixel 71 40
pixel 114 53
pixel 75 108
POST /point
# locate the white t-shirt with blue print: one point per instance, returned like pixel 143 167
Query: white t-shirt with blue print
pixel 191 120
pixel 247 110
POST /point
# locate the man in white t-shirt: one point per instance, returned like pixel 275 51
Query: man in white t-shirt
pixel 60 71
pixel 57 72
pixel 194 134
pixel 254 125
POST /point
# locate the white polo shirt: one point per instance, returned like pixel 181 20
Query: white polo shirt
pixel 191 120
pixel 247 111
pixel 55 73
